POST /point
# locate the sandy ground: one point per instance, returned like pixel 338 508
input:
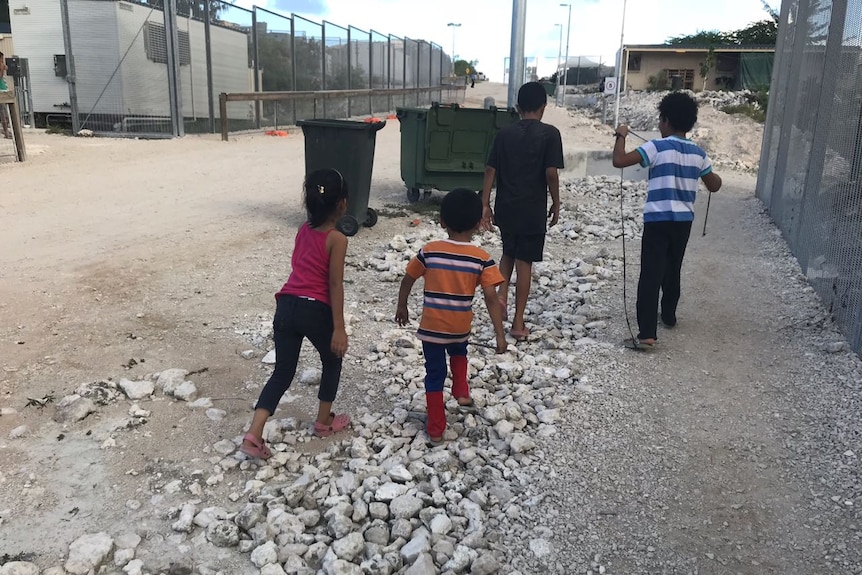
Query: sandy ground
pixel 168 253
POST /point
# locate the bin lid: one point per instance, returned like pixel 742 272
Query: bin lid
pixel 343 124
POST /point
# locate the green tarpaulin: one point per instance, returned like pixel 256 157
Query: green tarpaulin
pixel 755 71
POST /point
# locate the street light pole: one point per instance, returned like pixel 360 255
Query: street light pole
pixel 620 65
pixel 454 26
pixel 566 63
pixel 559 55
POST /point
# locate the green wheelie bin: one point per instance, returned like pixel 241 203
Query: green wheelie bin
pixel 346 146
pixel 446 146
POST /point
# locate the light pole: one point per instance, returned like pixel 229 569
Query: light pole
pixel 566 62
pixel 455 26
pixel 559 55
pixel 620 70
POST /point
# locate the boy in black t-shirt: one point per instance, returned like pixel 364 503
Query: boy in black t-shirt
pixel 524 159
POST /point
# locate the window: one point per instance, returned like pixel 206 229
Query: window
pixel 156 47
pixel 685 76
pixel 635 62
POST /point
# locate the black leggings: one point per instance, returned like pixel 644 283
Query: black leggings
pixel 297 318
pixel 662 251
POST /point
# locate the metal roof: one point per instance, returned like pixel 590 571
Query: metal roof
pixel 695 48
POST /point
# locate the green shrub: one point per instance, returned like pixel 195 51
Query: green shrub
pixel 753 111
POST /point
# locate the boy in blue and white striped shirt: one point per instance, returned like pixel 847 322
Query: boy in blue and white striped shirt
pixel 675 165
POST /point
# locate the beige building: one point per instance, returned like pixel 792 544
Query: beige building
pixel 666 67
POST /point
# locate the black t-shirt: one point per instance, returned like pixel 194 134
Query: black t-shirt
pixel 520 154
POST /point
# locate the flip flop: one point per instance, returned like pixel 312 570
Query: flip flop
pixel 467 407
pixel 520 334
pixel 340 422
pixel 258 448
pixel 504 308
pixel 637 345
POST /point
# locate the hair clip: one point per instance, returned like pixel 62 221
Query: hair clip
pixel 321 189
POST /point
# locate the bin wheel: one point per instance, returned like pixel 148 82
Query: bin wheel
pixel 347 225
pixel 413 195
pixel 370 218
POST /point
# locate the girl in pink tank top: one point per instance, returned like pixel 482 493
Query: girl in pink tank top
pixel 310 306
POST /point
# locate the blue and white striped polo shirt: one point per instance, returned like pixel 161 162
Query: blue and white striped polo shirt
pixel 675 166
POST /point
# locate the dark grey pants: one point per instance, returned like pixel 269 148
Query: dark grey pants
pixel 295 319
pixel 662 251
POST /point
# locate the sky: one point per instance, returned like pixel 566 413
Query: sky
pixel 486 25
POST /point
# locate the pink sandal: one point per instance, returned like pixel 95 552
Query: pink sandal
pixel 340 422
pixel 520 334
pixel 258 448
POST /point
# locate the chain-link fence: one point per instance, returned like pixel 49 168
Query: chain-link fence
pixel 157 67
pixel 811 163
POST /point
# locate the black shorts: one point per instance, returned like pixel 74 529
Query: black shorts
pixel 524 247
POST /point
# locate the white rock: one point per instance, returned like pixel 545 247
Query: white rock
pixel 521 443
pixel 186 519
pixel 350 547
pixel 73 408
pixel 389 491
pixel 88 553
pixel 247 354
pixel 216 414
pixel 265 554
pixel 485 564
pixel 7 411
pixel 310 376
pixel 423 565
pixel 127 541
pixel 269 358
pixel 19 568
pixel 174 486
pixel 18 432
pixel 400 474
pixel 201 403
pixel 134 567
pixel 461 559
pixel 441 524
pixel 210 515
pixel 420 543
pixel 540 547
pixel 137 389
pixel 341 567
pixel 224 447
pixel 223 534
pixel 123 556
pixel 548 416
pixel 273 569
pixel 170 379
pixel 186 391
pixel 405 507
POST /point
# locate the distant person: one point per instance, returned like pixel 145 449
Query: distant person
pixel 452 269
pixel 675 165
pixel 472 80
pixel 310 305
pixel 4 108
pixel 602 87
pixel 525 160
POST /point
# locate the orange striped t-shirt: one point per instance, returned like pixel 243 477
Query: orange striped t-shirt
pixel 452 270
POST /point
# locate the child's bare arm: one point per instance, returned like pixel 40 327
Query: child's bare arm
pixel 493 304
pixel 712 182
pixel 553 177
pixel 621 158
pixel 337 254
pixel 488 183
pixel 402 315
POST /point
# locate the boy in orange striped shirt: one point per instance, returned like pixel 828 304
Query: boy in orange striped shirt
pixel 452 269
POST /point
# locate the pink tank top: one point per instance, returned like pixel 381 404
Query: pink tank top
pixel 310 262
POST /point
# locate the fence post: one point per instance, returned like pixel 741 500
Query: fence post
pixel 70 67
pixel 209 64
pixel 173 56
pixel 222 108
pixel 293 60
pixel 322 67
pixel 255 65
pixel 370 71
pixel 349 69
pixel 389 69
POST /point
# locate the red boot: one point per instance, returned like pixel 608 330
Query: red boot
pixel 436 415
pixel 460 388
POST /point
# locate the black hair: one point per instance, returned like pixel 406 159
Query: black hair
pixel 531 97
pixel 324 189
pixel 680 110
pixel 461 210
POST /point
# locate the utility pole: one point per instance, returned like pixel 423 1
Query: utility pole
pixel 516 57
pixel 454 26
pixel 559 55
pixel 620 64
pixel 566 63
